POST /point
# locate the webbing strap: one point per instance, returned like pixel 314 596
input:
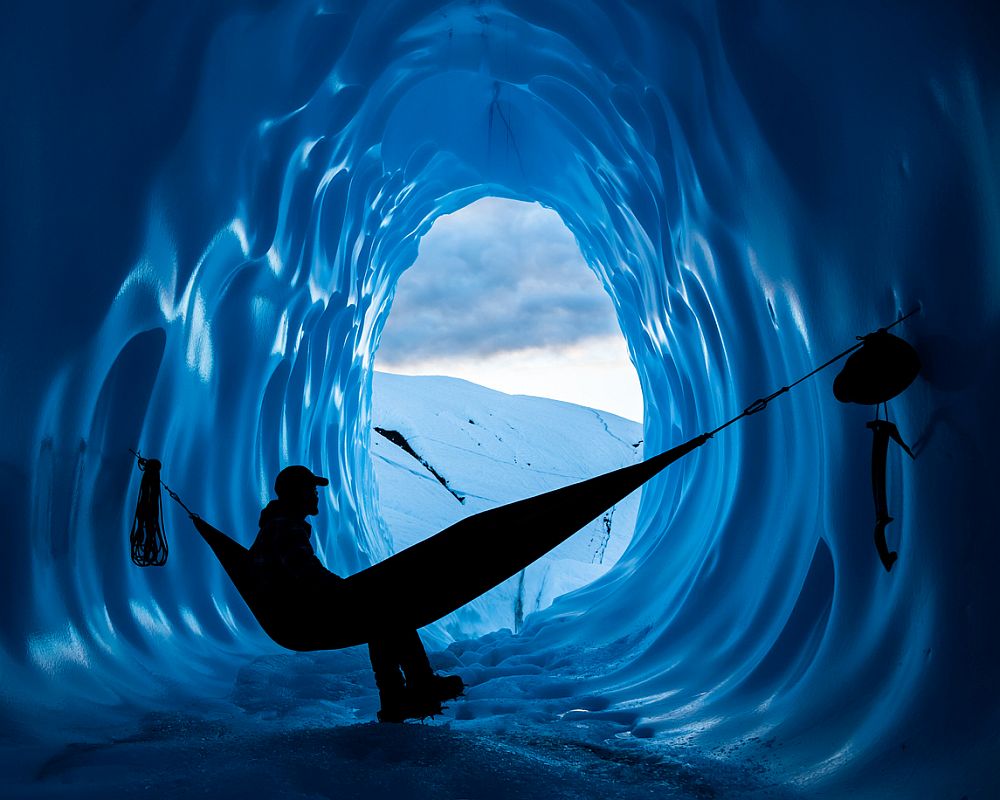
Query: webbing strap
pixel 760 403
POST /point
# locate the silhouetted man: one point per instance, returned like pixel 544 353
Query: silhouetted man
pixel 408 687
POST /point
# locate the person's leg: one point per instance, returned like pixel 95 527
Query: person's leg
pixel 412 657
pixel 419 696
pixel 385 665
pixel 421 680
pixel 423 691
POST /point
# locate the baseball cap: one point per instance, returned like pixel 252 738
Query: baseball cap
pixel 296 478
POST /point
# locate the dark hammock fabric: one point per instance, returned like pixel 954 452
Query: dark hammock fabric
pixel 432 578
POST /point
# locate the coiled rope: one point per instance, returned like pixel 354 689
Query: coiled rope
pixel 147 539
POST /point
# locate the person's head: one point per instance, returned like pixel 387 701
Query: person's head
pixel 296 489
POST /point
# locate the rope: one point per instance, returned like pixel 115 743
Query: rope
pixel 760 403
pixel 147 539
pixel 147 542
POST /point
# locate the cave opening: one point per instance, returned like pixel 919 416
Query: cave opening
pixel 502 372
pixel 501 295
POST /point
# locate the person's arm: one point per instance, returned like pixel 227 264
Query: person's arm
pixel 299 558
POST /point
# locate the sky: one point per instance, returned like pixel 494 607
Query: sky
pixel 500 295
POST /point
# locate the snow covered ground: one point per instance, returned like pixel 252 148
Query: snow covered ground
pixel 218 752
pixel 491 448
pixel 300 726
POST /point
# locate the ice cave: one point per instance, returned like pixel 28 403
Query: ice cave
pixel 205 214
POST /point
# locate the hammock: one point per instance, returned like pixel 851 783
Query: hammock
pixel 432 578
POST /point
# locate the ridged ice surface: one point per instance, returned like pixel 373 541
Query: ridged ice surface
pixel 205 215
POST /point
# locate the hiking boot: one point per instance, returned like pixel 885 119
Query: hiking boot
pixel 439 688
pixel 407 706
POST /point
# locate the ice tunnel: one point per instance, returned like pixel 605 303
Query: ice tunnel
pixel 205 213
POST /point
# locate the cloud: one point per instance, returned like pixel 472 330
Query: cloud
pixel 497 276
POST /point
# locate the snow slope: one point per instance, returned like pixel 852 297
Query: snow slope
pixel 492 448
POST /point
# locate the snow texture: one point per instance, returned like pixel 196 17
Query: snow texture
pixel 205 213
pixel 492 448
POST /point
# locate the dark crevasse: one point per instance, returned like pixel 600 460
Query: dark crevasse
pixel 204 217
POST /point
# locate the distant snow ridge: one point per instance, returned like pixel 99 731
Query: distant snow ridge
pixel 444 449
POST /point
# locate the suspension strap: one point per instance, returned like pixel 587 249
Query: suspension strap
pixel 760 403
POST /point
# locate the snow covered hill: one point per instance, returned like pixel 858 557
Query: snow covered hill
pixel 444 449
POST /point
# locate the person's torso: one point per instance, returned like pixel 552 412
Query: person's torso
pixel 283 548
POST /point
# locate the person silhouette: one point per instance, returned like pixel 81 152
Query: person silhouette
pixel 408 687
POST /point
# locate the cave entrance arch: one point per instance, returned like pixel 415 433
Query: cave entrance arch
pixel 500 296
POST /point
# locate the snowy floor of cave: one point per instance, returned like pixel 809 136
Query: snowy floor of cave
pixel 302 726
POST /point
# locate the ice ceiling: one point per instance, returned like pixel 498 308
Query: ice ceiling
pixel 204 217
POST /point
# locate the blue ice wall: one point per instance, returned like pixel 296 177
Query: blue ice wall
pixel 204 217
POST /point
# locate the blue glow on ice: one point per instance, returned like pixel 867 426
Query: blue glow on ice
pixel 204 220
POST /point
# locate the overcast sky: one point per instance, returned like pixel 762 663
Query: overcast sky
pixel 500 295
